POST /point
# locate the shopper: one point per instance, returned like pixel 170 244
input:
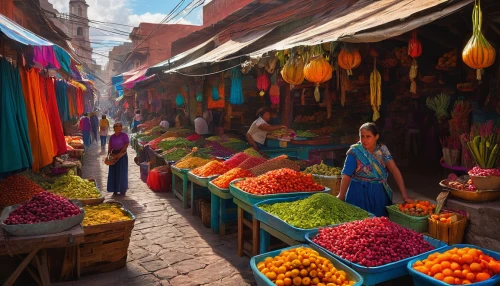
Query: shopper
pixel 364 177
pixel 200 125
pixel 118 172
pixel 164 123
pixel 94 123
pixel 103 130
pixel 257 133
pixel 85 126
pixel 137 120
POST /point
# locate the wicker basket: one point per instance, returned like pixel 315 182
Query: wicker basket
pixel 105 246
pixel 332 182
pixel 451 233
pixel 206 213
pixel 418 224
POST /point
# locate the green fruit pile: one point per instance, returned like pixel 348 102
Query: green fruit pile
pixel 315 211
pixel 73 187
pixel 322 169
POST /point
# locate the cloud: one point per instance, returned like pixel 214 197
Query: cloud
pixel 135 19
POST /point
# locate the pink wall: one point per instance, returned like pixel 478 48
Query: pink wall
pixel 217 10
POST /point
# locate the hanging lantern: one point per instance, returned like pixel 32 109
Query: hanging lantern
pixel 478 53
pixel 293 70
pixel 317 71
pixel 179 100
pixel 215 93
pixel 263 83
pixel 199 97
pixel 414 51
pixel 349 60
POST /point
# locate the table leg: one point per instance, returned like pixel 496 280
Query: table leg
pixel 255 236
pixel 184 193
pixel 173 183
pixel 240 231
pixel 222 217
pixel 43 268
pixel 265 239
pixel 215 202
pixel 193 211
pixel 13 277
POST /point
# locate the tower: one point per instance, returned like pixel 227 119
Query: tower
pixel 79 29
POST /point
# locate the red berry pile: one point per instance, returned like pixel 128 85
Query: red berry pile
pixel 42 207
pixel 372 242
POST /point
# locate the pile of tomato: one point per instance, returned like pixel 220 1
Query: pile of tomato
pixel 279 181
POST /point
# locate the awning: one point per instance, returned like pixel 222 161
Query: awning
pixel 368 21
pixel 137 77
pixel 20 34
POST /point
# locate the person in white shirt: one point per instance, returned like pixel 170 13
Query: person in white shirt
pixel 257 133
pixel 200 126
pixel 164 123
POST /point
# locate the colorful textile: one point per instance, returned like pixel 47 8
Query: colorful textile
pixel 63 58
pixel 116 142
pixel 42 145
pixel 79 101
pixel 236 95
pixel 118 176
pixel 15 148
pixel 368 188
pixel 45 56
pixel 62 100
pixel 55 120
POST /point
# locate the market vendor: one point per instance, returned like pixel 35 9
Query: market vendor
pixel 257 133
pixel 364 177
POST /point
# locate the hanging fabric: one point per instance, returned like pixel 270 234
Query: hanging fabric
pixel 236 95
pixel 15 148
pixel 45 57
pixel 79 101
pixel 55 120
pixel 62 100
pixel 71 95
pixel 42 146
pixel 215 93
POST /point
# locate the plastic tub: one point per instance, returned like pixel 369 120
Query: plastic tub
pixel 252 199
pixel 420 279
pixel 262 280
pixel 379 274
pixel 295 233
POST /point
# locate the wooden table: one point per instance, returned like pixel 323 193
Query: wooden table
pixel 254 225
pixel 184 195
pixel 222 209
pixel 34 247
pixel 265 237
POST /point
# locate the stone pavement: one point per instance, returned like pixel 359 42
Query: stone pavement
pixel 168 246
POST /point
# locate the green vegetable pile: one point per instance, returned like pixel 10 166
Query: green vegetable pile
pixel 322 169
pixel 178 142
pixel 252 152
pixel 175 154
pixel 305 134
pixel 315 211
pixel 73 187
pixel 236 145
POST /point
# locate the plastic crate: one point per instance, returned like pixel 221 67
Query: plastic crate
pixel 201 181
pixel 252 199
pixel 295 233
pixel 379 274
pixel 144 168
pixel 418 224
pixel 420 279
pixel 262 280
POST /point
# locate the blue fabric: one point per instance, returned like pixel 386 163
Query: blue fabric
pixel 20 34
pixel 118 176
pixel 369 196
pixel 103 140
pixel 62 100
pixel 236 95
pixel 86 138
pixel 116 81
pixel 63 58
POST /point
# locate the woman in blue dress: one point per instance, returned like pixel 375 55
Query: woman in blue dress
pixel 365 173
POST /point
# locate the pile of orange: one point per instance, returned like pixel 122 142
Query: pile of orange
pixel 302 266
pixel 459 266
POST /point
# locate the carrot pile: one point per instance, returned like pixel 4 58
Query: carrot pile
pixel 210 169
pixel 236 173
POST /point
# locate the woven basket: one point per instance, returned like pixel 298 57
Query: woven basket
pixel 332 182
pixel 205 213
pixel 451 233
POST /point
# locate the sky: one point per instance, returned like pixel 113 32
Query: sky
pixel 130 13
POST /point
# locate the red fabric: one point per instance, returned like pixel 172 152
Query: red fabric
pixel 55 120
pixel 79 101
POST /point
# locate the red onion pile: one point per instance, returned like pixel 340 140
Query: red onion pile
pixel 42 207
pixel 372 242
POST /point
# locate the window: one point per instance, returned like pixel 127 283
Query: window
pixel 79 11
pixel 79 31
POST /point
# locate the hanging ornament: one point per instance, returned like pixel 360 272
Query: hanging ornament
pixel 375 91
pixel 293 70
pixel 478 53
pixel 349 60
pixel 317 71
pixel 215 93
pixel 179 100
pixel 263 83
pixel 199 97
pixel 414 51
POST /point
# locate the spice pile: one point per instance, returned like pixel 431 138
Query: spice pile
pixel 104 213
pixel 315 211
pixel 210 169
pixel 274 164
pixel 251 162
pixel 237 159
pixel 191 163
pixel 236 173
pixel 17 189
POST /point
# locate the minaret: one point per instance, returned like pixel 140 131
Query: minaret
pixel 79 26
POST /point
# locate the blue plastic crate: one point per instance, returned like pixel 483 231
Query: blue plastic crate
pixel 252 199
pixel 262 280
pixel 379 274
pixel 420 279
pixel 295 233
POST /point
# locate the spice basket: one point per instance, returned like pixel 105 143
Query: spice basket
pixel 451 233
pixel 295 233
pixel 418 224
pixel 251 199
pixel 486 183
pixel 332 182
pixel 420 279
pixel 92 201
pixel 262 280
pixel 105 246
pixel 378 274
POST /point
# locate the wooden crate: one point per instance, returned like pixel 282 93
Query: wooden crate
pixel 451 233
pixel 105 247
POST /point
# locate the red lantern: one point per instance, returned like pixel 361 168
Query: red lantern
pixel 263 83
pixel 414 46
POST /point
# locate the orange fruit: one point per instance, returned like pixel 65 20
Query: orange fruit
pixel 455 266
pixel 287 281
pixel 439 276
pixel 271 275
pixel 449 280
pixel 418 263
pixel 421 269
pixel 436 268
pixel 288 274
pixel 295 273
pixel 465 282
pixel 482 276
pixel 457 274
pixel 297 281
pixel 447 272
pixel 461 252
pixel 282 270
pixel 467 258
pixel 476 267
pixel 303 273
pixel 313 266
pixel 455 258
pixel 306 262
pixel 470 276
pixel 315 281
pixel 494 266
pixel 279 282
pixel 313 273
pixel 458 281
pixel 306 281
pixel 445 264
pixel 473 252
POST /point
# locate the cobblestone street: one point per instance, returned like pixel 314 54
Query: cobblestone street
pixel 169 246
